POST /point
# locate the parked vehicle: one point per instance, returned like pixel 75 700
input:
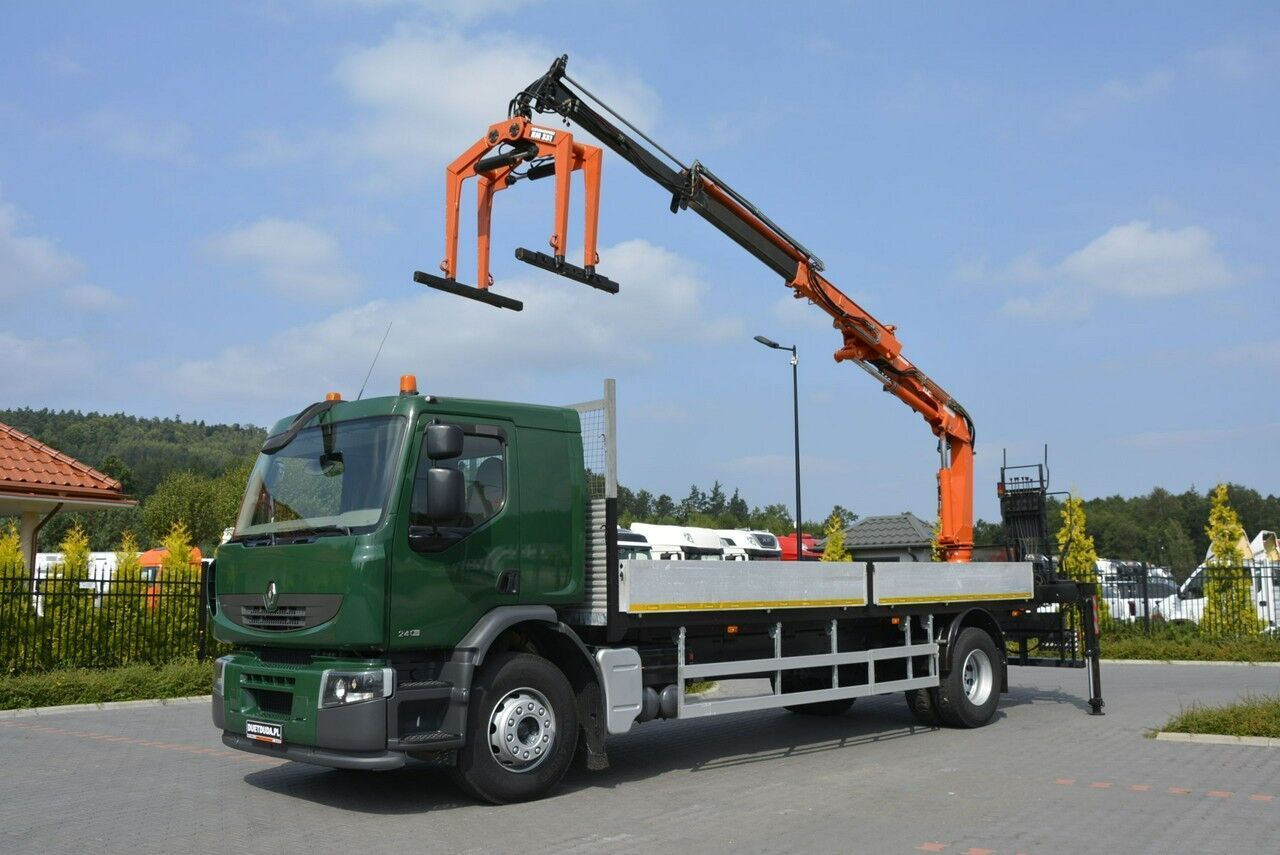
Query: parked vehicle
pixel 787 543
pixel 680 543
pixel 633 545
pixel 758 545
pixel 1134 592
pixel 101 571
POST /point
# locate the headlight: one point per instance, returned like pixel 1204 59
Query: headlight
pixel 219 668
pixel 350 687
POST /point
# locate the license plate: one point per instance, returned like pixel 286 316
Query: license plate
pixel 264 732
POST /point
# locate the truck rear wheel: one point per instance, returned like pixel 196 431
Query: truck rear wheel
pixel 923 707
pixel 522 729
pixel 969 694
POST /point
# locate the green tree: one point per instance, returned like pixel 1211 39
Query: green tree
pixel 70 622
pixel 1079 557
pixel 172 603
pixel 1229 608
pixel 18 628
pixel 11 561
pixel 834 549
pixel 188 498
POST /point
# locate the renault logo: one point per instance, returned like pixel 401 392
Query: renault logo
pixel 271 598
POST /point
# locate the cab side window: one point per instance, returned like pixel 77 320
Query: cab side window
pixel 483 464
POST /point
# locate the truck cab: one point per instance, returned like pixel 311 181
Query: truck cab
pixel 633 545
pixel 680 543
pixel 756 545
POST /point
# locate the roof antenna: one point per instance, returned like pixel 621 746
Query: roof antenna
pixel 375 360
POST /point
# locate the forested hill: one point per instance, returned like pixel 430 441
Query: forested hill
pixel 139 452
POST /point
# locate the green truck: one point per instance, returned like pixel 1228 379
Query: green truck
pixel 423 578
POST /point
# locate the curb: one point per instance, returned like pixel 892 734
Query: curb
pixel 1192 662
pixel 30 712
pixel 1218 739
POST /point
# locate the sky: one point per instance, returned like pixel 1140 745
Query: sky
pixel 1069 214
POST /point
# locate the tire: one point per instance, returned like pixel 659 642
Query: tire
pixel 969 694
pixel 823 708
pixel 923 706
pixel 545 730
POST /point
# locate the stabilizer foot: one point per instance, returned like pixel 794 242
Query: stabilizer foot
pixel 479 294
pixel 567 270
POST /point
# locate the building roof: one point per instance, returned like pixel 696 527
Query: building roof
pixel 905 529
pixel 29 469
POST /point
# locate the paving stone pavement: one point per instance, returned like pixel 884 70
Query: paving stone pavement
pixel 1043 778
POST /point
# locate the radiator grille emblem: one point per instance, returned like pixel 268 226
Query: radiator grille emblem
pixel 271 598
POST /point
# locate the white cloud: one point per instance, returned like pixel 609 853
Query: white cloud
pixel 1136 260
pixel 1133 261
pixel 91 298
pixel 136 137
pixel 458 346
pixel 35 366
pixel 294 258
pixel 33 267
pixel 426 94
pixel 1109 97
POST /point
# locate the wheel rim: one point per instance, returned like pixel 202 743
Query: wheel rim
pixel 522 730
pixel 977 677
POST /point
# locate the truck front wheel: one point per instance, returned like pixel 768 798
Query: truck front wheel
pixel 522 730
pixel 969 694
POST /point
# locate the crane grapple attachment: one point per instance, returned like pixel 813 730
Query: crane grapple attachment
pixel 483 295
pixel 512 150
pixel 560 267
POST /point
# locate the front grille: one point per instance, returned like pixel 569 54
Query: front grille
pixel 277 703
pixel 269 681
pixel 282 619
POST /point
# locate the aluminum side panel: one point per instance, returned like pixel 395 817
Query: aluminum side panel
pixel 647 587
pixel 909 583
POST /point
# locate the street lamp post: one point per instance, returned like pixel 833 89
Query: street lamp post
pixel 795 409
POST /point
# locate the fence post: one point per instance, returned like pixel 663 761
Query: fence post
pixel 1144 591
pixel 202 614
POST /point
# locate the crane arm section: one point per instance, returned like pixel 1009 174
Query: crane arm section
pixel 866 341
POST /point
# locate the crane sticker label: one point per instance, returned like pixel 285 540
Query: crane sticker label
pixel 542 134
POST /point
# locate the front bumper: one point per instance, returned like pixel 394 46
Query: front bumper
pixel 368 760
pixel 373 734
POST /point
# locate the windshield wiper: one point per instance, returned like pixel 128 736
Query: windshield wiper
pixel 312 532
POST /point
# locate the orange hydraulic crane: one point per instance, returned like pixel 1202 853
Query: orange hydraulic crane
pixel 496 161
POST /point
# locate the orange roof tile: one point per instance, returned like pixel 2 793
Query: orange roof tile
pixel 28 467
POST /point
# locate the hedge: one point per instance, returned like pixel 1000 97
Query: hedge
pixel 179 679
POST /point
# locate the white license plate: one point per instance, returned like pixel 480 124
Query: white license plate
pixel 264 732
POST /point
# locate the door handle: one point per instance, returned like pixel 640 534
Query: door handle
pixel 509 582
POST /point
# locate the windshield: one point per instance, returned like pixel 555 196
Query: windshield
pixel 332 476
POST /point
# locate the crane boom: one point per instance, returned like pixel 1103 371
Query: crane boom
pixel 867 342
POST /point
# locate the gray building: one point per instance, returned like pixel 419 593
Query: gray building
pixel 898 537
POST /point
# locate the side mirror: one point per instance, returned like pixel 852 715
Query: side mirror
pixel 443 442
pixel 446 495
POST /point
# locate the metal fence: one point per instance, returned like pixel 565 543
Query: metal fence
pixel 55 622
pixel 1235 601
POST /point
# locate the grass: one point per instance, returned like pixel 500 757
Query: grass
pixel 1167 642
pixel 179 679
pixel 1255 715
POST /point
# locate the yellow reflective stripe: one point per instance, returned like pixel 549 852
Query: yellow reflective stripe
pixel 741 604
pixel 953 598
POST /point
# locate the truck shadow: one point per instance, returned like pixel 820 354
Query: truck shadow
pixel 695 746
pixel 1021 695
